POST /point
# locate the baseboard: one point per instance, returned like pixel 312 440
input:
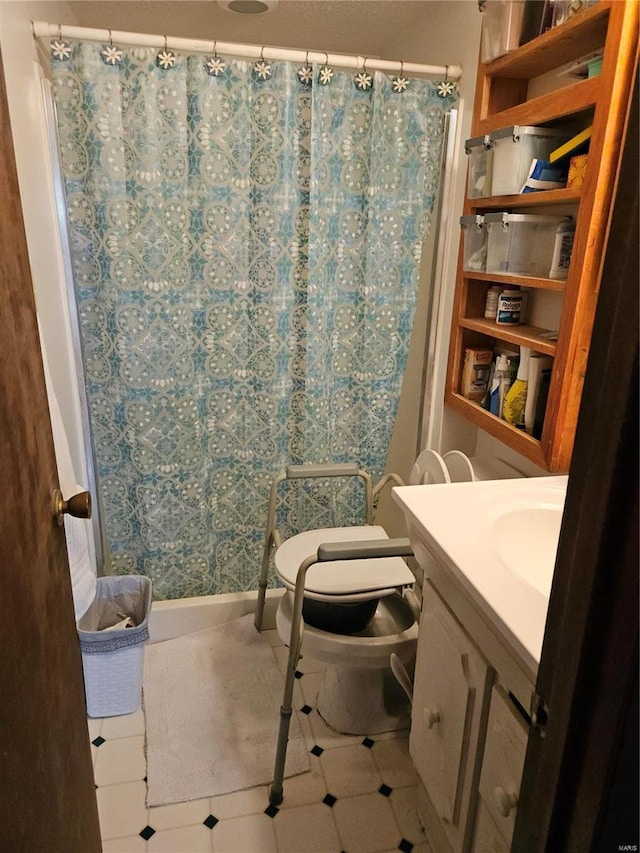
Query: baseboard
pixel 170 619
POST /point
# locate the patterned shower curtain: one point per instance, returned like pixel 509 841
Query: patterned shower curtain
pixel 245 252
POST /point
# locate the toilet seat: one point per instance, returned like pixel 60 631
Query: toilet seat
pixel 341 580
pixel 429 468
pixel 459 466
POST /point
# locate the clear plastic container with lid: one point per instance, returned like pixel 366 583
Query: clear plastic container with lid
pixel 521 243
pixel 474 234
pixel 501 27
pixel 478 150
pixel 513 150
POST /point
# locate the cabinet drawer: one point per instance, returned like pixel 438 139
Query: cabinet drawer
pixel 505 748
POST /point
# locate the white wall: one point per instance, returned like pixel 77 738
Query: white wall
pixel 22 75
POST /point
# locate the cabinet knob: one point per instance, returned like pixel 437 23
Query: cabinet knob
pixel 430 717
pixel 505 802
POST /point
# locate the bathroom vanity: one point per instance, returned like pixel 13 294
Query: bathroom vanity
pixel 488 552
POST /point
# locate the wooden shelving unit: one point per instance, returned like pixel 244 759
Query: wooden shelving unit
pixel 501 101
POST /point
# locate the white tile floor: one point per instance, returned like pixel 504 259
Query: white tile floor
pixel 359 796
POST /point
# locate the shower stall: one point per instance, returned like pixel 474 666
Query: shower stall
pixel 243 229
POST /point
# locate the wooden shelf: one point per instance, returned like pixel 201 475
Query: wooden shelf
pixel 522 336
pixel 579 36
pixel 546 197
pixel 546 108
pixel 519 440
pixel 517 280
pixel 502 100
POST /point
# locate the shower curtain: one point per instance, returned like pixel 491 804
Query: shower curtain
pixel 245 254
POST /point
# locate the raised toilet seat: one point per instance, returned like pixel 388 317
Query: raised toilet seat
pixel 348 580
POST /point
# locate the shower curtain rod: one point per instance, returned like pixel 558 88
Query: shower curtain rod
pixel 249 51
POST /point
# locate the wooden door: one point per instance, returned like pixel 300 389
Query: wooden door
pixel 47 792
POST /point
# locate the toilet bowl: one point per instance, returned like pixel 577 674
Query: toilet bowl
pixel 359 694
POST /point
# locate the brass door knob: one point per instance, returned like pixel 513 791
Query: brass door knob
pixel 78 505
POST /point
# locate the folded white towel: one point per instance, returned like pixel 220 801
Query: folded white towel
pixel 81 565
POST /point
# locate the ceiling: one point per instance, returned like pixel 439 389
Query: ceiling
pixel 366 27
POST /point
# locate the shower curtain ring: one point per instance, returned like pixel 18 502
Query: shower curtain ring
pixel 111 55
pixel 305 72
pixel 166 58
pixel 60 50
pixel 446 88
pixel 262 68
pixel 400 83
pixel 214 65
pixel 326 73
pixel 363 80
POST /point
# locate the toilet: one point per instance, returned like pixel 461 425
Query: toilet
pixel 357 613
pixel 354 633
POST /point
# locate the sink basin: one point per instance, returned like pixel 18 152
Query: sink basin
pixel 497 540
pixel 526 540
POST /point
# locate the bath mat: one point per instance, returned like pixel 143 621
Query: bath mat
pixel 212 707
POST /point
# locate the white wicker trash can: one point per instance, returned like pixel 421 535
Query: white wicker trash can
pixel 113 660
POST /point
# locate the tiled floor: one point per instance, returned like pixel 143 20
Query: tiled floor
pixel 359 796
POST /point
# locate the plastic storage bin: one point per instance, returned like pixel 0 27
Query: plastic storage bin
pixel 478 151
pixel 113 661
pixel 512 151
pixel 474 241
pixel 501 27
pixel 520 243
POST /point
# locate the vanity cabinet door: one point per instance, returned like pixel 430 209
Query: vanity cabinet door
pixel 487 838
pixel 450 690
pixel 504 753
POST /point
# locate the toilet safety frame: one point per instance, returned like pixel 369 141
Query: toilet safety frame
pixel 329 552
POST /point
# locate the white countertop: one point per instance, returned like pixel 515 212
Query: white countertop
pixel 498 540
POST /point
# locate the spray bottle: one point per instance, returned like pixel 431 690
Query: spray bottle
pixel 499 385
pixel 516 397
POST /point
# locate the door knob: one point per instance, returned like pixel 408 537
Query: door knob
pixel 78 505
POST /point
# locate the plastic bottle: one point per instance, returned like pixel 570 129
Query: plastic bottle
pixel 509 308
pixel 516 397
pixel 499 385
pixel 491 305
pixel 562 249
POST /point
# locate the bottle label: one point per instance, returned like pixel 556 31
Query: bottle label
pixel 509 310
pixel 564 253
